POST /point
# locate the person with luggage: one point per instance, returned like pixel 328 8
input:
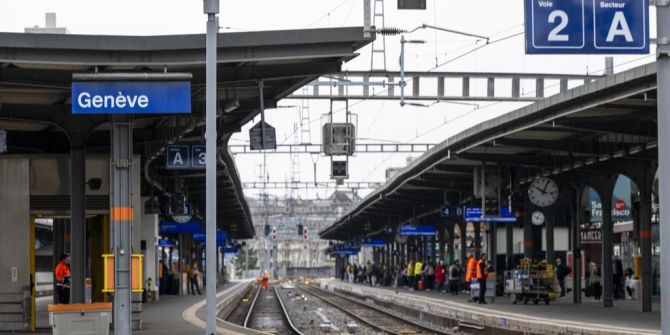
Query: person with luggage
pixel 418 273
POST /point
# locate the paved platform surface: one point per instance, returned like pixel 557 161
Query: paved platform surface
pixel 165 316
pixel 624 318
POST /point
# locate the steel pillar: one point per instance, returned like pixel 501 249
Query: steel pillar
pixel 211 8
pixel 478 238
pixel 549 236
pixel 464 242
pixel 78 216
pixel 509 245
pixel 663 77
pixel 605 187
pixel 122 220
pixel 449 236
pixel 576 243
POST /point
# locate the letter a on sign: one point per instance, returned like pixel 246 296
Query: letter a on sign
pixel 619 27
pixel 177 159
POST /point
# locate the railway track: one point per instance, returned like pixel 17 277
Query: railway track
pixel 370 315
pixel 268 314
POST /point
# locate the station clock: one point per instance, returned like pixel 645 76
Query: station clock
pixel 543 192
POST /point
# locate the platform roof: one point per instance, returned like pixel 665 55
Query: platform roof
pixel 36 73
pixel 588 129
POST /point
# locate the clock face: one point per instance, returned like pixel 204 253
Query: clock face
pixel 543 192
pixel 537 218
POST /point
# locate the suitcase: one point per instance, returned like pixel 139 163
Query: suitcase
pixel 421 285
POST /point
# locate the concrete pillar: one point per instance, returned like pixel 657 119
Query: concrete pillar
pixel 478 239
pixel 432 248
pixel 78 217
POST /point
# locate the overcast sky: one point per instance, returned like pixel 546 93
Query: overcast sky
pixel 376 121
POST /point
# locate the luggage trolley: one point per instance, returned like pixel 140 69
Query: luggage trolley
pixel 531 284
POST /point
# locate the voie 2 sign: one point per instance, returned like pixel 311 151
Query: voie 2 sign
pixel 587 26
pixel 131 97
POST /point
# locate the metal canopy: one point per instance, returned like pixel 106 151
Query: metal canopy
pixel 36 73
pixel 587 128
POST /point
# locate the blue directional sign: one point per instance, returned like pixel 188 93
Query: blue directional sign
pixel 200 237
pixel 425 230
pixel 165 243
pixel 373 243
pixel 171 227
pixel 131 97
pixel 587 26
pixel 184 157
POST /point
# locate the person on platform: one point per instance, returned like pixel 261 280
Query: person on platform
pixel 562 271
pixel 594 281
pixel 410 275
pixel 482 276
pixel 440 276
pixel 454 277
pixel 193 279
pixel 618 278
pixel 418 273
pixel 63 278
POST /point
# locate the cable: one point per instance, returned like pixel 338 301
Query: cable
pixel 328 14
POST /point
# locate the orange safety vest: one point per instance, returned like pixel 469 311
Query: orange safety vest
pixel 471 271
pixel 482 273
pixel 62 271
pixel 266 276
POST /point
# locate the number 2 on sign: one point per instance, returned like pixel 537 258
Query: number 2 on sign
pixel 555 34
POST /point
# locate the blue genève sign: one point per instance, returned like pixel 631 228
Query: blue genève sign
pixel 131 97
pixel 587 26
pixel 372 243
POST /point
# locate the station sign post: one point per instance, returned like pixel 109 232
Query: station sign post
pixel 121 95
pixel 615 27
pixel 663 105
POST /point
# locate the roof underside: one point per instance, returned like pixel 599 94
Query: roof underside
pixel 36 73
pixel 588 129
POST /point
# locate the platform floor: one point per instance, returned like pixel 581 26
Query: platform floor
pixel 159 317
pixel 625 316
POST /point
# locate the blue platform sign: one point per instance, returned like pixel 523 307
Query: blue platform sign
pixel 171 227
pixel 198 153
pixel 185 157
pixel 165 243
pixel 131 97
pixel 233 251
pixel 425 230
pixel 587 26
pixel 220 237
pixel 373 243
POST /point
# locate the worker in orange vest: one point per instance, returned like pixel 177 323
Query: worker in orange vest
pixel 266 279
pixel 482 276
pixel 62 273
pixel 471 271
